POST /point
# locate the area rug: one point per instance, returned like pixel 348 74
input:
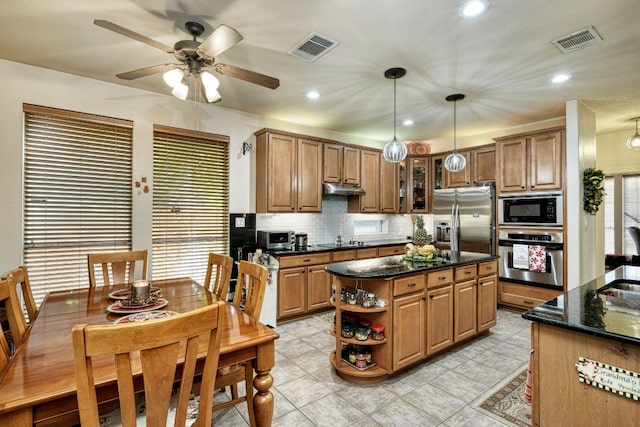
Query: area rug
pixel 505 401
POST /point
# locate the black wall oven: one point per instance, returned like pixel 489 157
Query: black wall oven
pixel 531 258
pixel 531 210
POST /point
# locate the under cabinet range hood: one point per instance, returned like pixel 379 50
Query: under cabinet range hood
pixel 342 190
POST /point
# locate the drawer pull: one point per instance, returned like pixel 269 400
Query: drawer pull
pixel 411 285
pixel 467 272
pixel 431 296
pixel 442 278
pixel 527 302
pixel 306 259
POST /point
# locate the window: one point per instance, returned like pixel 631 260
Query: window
pixel 609 216
pixel 190 201
pixel 621 210
pixel 631 210
pixel 77 194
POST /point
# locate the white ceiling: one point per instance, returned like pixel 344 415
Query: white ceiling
pixel 502 61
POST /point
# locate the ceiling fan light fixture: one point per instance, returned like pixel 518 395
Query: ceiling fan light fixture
pixel 180 91
pixel 455 162
pixel 394 151
pixel 173 77
pixel 633 143
pixel 210 86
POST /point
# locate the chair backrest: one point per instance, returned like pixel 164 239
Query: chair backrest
pixel 123 266
pixel 635 235
pixel 21 277
pixel 15 318
pixel 250 288
pixel 218 275
pixel 156 348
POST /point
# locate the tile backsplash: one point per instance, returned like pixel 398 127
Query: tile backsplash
pixel 335 220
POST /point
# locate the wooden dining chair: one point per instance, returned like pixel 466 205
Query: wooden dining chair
pixel 156 348
pixel 17 325
pixel 218 275
pixel 121 264
pixel 248 296
pixel 21 277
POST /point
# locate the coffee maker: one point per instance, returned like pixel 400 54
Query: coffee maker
pixel 443 231
pixel 301 242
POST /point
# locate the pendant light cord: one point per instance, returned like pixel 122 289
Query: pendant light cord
pixel 455 150
pixel 394 111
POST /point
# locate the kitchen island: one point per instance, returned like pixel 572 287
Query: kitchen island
pixel 586 359
pixel 392 314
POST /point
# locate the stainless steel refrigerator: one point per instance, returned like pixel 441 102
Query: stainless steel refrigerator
pixel 464 218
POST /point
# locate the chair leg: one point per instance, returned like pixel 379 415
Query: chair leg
pixel 234 391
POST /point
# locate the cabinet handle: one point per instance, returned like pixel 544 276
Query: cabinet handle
pixel 442 278
pixel 522 187
pixel 306 260
pixel 527 302
pixel 431 296
pixel 467 272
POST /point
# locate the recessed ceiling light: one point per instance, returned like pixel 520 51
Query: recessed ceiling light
pixel 560 78
pixel 407 122
pixel 472 8
pixel 312 94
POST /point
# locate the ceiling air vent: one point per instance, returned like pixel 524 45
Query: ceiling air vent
pixel 313 47
pixel 577 40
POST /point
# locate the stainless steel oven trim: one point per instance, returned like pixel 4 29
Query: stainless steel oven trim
pixel 559 223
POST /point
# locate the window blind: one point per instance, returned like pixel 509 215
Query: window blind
pixel 77 193
pixel 190 201
pixel 631 210
pixel 609 216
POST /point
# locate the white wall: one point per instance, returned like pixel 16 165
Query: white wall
pixel 613 155
pixel 27 84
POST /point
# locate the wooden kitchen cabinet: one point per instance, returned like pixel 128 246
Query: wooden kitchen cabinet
pixel 391 250
pixel 370 183
pixel 487 295
pixel 419 191
pixel 531 161
pixel 389 188
pixel 483 164
pixel 465 303
pixel 524 297
pixel 439 319
pixel 288 173
pixel 409 334
pixel 461 178
pixel 303 284
pixel 341 164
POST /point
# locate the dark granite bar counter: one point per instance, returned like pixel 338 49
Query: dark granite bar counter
pixel 329 247
pixel 584 310
pixel 395 266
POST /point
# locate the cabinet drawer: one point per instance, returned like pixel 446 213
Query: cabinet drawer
pixel 367 253
pixel 407 285
pixel 440 277
pixel 302 260
pixel 524 296
pixel 390 250
pixel 486 268
pixel 465 273
pixel 347 255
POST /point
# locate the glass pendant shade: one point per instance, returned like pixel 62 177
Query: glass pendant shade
pixel 633 143
pixel 455 162
pixel 394 151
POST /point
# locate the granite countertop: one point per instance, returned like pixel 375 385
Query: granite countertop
pixel 582 309
pixel 393 266
pixel 330 247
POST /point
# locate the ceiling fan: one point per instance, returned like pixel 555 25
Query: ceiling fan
pixel 195 58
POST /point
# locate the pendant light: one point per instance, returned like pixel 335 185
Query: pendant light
pixel 455 161
pixel 633 143
pixel 394 151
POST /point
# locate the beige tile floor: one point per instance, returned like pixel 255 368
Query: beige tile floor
pixel 439 392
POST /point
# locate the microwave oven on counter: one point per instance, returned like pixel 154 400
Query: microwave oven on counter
pixel 531 210
pixel 276 240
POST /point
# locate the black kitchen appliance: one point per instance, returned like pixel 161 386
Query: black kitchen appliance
pixel 242 241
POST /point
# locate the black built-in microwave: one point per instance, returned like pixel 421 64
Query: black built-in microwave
pixel 531 210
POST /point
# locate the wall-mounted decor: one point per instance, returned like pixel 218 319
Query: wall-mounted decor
pixel 593 180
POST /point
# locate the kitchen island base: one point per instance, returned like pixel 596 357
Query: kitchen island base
pixel 425 310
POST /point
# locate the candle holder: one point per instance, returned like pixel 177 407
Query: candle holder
pixel 139 292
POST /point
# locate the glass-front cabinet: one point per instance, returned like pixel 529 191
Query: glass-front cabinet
pixel 419 184
pixel 402 186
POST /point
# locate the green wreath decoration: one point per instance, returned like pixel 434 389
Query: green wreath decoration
pixel 593 190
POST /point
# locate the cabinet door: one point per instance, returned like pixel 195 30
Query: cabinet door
pixel 465 305
pixel 439 319
pixel 332 170
pixel 512 164
pixel 408 330
pixel 401 178
pixel 318 287
pixel 291 291
pixel 437 166
pixel 483 164
pixel 419 184
pixel 370 178
pixel 388 187
pixel 461 178
pixel 351 165
pixel 546 161
pixel 309 173
pixel 281 173
pixel 487 302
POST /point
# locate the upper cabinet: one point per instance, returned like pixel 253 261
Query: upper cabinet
pixel 483 164
pixel 389 187
pixel 370 183
pixel 419 184
pixel 341 164
pixel 531 161
pixel 288 173
pixel 461 178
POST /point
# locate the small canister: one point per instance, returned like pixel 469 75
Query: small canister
pixel 361 361
pixel 347 330
pixel 377 332
pixel 362 333
pixel 352 355
pixel 367 354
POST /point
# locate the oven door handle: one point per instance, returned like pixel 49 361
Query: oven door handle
pixel 547 246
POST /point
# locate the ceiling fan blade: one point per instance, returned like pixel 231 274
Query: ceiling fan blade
pixel 132 35
pixel 146 71
pixel 249 76
pixel 220 40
